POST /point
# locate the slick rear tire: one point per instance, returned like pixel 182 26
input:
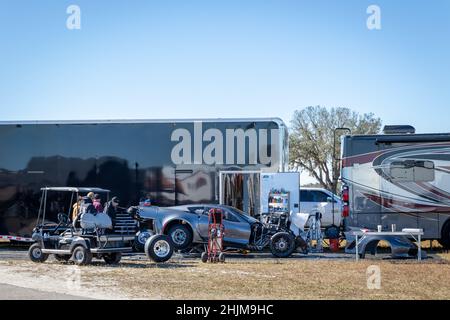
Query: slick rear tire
pixel 282 245
pixel 159 248
pixel 82 256
pixel 35 253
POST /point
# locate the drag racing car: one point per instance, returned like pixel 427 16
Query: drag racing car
pixel 187 226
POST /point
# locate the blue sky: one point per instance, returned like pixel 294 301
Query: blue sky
pixel 217 58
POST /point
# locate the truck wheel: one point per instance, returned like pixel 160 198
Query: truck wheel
pixel 445 235
pixel 35 253
pixel 62 257
pixel 282 245
pixel 112 258
pixel 159 248
pixel 181 236
pixel 81 256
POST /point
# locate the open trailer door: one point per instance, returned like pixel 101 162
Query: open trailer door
pixel 280 192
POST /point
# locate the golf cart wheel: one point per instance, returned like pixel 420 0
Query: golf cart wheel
pixel 181 236
pixel 35 253
pixel 204 257
pixel 81 256
pixel 222 257
pixel 112 258
pixel 159 248
pixel 282 245
pixel 62 257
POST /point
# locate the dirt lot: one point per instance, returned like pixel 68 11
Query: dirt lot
pixel 311 277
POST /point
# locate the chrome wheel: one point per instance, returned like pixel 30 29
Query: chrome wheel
pixel 161 248
pixel 143 236
pixel 179 236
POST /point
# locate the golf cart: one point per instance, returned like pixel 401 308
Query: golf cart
pixel 90 235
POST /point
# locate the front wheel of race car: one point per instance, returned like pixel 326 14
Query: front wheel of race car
pixel 159 248
pixel 282 245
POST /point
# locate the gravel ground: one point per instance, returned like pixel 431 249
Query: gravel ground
pixel 256 276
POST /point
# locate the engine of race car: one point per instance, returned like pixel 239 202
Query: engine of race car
pixel 276 221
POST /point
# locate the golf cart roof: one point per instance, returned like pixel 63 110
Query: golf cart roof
pixel 74 189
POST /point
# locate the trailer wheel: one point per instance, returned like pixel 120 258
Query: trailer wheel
pixel 112 258
pixel 159 248
pixel 204 257
pixel 222 257
pixel 81 256
pixel 35 253
pixel 445 235
pixel 282 245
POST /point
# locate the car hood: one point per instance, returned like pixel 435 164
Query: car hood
pixel 153 212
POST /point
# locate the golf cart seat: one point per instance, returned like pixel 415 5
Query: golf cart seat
pixel 89 221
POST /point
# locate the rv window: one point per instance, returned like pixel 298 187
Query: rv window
pixel 412 171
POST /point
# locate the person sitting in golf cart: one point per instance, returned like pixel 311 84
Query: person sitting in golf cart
pixel 98 203
pixel 88 206
pixel 111 208
pixel 76 208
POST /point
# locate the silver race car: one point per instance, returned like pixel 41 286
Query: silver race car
pixel 187 226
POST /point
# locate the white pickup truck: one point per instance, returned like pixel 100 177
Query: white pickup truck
pixel 322 200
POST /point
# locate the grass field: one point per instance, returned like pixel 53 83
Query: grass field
pixel 240 278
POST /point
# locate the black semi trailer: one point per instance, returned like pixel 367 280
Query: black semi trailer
pixel 173 162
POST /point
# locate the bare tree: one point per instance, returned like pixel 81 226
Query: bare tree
pixel 311 139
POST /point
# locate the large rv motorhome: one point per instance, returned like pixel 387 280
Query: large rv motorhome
pixel 400 178
pixel 172 162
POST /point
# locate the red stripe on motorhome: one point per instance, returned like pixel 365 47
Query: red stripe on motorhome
pixel 390 203
pixel 360 159
pixel 429 187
